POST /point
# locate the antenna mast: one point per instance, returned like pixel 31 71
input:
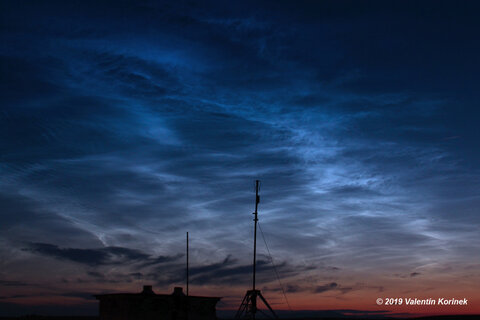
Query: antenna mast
pixel 257 200
pixel 248 307
pixel 187 263
pixel 186 303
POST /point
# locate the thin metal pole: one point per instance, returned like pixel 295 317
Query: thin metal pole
pixel 187 264
pixel 257 200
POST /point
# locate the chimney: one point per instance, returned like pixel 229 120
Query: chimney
pixel 178 291
pixel 147 290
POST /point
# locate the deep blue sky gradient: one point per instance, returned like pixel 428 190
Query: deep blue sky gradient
pixel 125 124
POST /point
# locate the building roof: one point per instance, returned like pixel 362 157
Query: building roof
pixel 147 291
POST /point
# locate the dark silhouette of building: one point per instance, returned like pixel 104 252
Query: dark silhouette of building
pixel 147 305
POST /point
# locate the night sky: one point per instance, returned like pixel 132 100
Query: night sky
pixel 123 125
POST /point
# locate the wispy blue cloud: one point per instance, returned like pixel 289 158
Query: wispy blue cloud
pixel 125 125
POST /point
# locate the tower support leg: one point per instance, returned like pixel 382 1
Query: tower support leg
pixel 248 308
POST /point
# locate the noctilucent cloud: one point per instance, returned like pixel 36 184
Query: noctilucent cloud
pixel 124 125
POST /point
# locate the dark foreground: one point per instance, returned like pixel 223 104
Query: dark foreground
pixel 449 317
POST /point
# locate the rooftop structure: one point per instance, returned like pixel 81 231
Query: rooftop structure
pixel 147 305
